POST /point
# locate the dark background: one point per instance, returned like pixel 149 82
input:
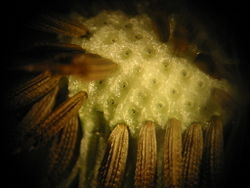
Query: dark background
pixel 231 19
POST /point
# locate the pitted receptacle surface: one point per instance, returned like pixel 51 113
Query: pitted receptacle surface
pixel 151 83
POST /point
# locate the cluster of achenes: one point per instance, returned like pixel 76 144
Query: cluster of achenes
pixel 142 125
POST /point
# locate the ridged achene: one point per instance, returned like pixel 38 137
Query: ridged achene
pixel 39 111
pixel 114 162
pixel 54 122
pixel 192 155
pixel 34 89
pixel 85 65
pixel 213 153
pixel 146 156
pixel 62 151
pixel 172 157
pixel 60 25
pixel 60 116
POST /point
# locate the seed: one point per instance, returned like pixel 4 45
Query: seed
pixel 34 90
pixel 192 155
pixel 59 25
pixel 56 121
pixel 172 159
pixel 30 123
pixel 39 111
pixel 146 156
pixel 62 151
pixel 114 162
pixel 86 66
pixel 93 67
pixel 213 153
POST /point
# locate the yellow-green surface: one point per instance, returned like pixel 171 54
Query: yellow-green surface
pixel 150 84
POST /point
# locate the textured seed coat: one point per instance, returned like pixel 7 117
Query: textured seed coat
pixel 146 156
pixel 172 159
pixel 213 153
pixel 59 25
pixel 62 151
pixel 192 155
pixel 39 111
pixel 34 89
pixel 86 66
pixel 94 67
pixel 114 162
pixel 57 120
